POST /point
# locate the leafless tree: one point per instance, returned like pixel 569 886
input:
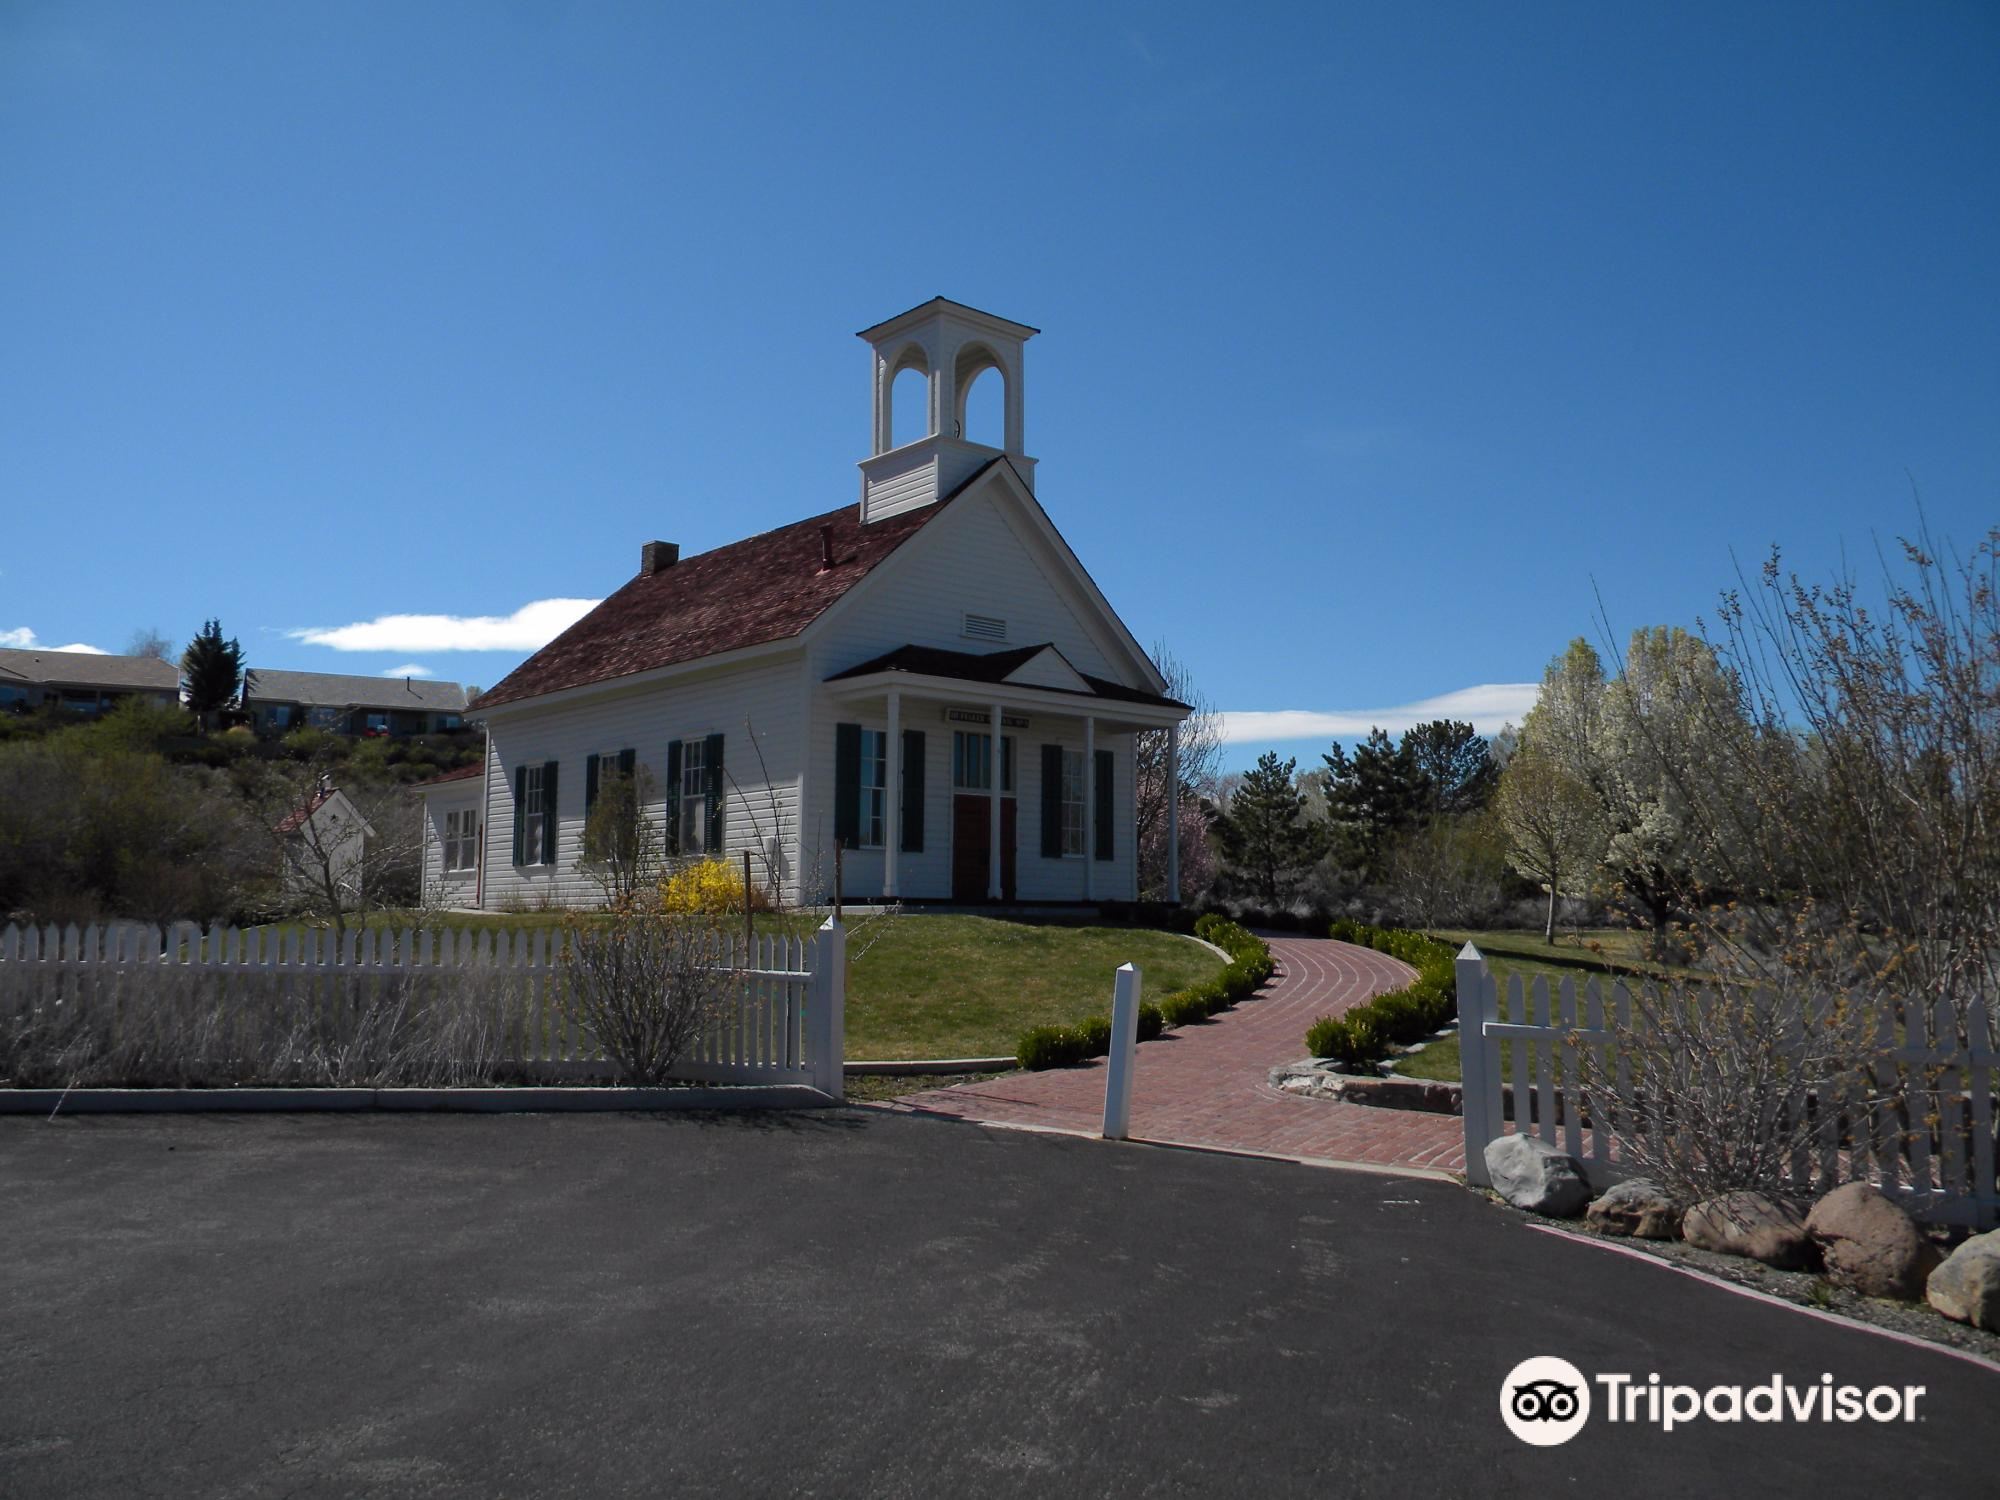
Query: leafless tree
pixel 150 643
pixel 1200 767
pixel 621 846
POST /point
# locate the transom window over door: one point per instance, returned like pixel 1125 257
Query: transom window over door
pixel 972 761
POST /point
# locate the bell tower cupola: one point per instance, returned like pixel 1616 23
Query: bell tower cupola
pixel 950 345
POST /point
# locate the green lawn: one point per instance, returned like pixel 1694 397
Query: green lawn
pixel 959 986
pixel 1610 950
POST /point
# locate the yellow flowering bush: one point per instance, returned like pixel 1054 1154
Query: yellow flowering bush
pixel 711 887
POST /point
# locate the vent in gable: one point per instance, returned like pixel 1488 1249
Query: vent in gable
pixel 985 628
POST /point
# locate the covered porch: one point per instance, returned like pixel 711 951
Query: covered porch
pixel 1005 777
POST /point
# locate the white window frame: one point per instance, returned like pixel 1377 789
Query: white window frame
pixel 874 805
pixel 532 814
pixel 694 797
pixel 461 840
pixel 1075 807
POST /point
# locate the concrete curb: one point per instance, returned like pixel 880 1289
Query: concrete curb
pixel 439 1101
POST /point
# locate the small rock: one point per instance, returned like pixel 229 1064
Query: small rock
pixel 1752 1224
pixel 1966 1288
pixel 1869 1245
pixel 1638 1207
pixel 1530 1173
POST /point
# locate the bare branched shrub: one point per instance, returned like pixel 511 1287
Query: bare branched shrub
pixel 645 983
pixel 176 1026
pixel 1711 1088
pixel 1859 825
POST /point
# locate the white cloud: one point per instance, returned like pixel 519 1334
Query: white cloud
pixel 529 628
pixel 408 669
pixel 1486 707
pixel 23 639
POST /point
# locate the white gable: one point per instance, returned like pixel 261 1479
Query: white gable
pixel 1046 668
pixel 986 559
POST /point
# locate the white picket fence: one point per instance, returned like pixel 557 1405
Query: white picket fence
pixel 1941 1168
pixel 782 999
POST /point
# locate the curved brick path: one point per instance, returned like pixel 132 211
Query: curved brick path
pixel 1207 1086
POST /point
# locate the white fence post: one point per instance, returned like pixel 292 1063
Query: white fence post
pixel 827 1019
pixel 1478 1065
pixel 1124 1043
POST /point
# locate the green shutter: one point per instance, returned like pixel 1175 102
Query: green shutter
pixel 551 824
pixel 520 822
pixel 1104 765
pixel 911 818
pixel 674 798
pixel 628 763
pixel 1052 802
pixel 715 798
pixel 847 785
pixel 589 784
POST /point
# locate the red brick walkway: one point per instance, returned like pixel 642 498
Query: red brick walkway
pixel 1207 1085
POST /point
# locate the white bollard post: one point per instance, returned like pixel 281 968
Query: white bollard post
pixel 1479 1098
pixel 1124 1044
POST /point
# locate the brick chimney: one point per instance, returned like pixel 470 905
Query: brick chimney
pixel 656 557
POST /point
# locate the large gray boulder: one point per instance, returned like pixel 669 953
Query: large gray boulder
pixel 1638 1207
pixel 1752 1224
pixel 1869 1245
pixel 1530 1173
pixel 1966 1288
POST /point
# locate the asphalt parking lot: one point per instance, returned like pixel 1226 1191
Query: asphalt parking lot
pixel 850 1303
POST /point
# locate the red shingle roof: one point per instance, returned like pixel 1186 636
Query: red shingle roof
pixel 294 820
pixel 764 588
pixel 463 773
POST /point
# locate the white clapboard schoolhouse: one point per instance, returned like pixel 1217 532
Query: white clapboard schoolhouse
pixel 839 682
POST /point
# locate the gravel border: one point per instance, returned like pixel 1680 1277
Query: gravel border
pixel 1807 1289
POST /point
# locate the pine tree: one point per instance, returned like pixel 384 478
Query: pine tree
pixel 1455 771
pixel 1372 796
pixel 1264 833
pixel 211 674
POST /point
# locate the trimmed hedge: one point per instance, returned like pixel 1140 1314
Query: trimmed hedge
pixel 1364 1036
pixel 1250 964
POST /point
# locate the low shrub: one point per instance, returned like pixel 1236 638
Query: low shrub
pixel 1250 964
pixel 1050 1047
pixel 1184 1008
pixel 1426 1004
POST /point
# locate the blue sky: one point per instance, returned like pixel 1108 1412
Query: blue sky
pixel 1378 340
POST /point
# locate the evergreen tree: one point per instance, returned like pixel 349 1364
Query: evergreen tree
pixel 1264 833
pixel 1455 771
pixel 211 674
pixel 1372 797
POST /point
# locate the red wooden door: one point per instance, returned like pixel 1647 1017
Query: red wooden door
pixel 972 844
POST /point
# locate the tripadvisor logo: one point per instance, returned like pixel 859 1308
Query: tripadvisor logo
pixel 1546 1401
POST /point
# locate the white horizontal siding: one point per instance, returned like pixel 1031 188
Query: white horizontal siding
pixel 927 875
pixel 891 495
pixel 451 887
pixel 761 790
pixel 971 558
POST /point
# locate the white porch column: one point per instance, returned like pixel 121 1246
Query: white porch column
pixel 892 795
pixel 1089 807
pixel 993 846
pixel 1174 813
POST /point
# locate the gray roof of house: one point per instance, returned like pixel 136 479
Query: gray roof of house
pixel 333 690
pixel 88 669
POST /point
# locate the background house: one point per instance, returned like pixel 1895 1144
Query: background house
pixel 278 702
pixel 324 843
pixel 84 682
